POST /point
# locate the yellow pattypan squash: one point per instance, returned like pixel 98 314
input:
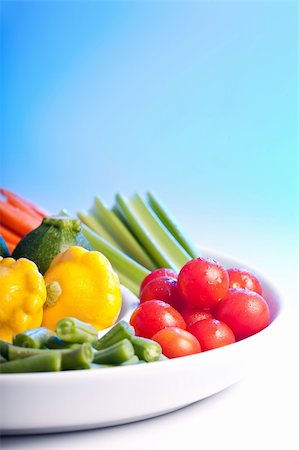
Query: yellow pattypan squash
pixel 82 284
pixel 22 296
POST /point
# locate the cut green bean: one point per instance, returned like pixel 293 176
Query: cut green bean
pixel 35 338
pixel 4 346
pixel 171 224
pixel 73 330
pixel 133 360
pixel 146 349
pixel 77 358
pixel 99 366
pixel 72 358
pixel 15 352
pixel 122 330
pixel 114 354
pixel 43 362
pixel 55 343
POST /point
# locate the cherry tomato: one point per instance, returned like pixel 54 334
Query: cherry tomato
pixel 163 288
pixel 176 342
pixel 154 315
pixel 241 278
pixel 191 316
pixel 162 272
pixel 202 283
pixel 212 333
pixel 245 312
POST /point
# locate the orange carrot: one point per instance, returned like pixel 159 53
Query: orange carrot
pixel 10 246
pixel 22 204
pixel 16 219
pixel 9 235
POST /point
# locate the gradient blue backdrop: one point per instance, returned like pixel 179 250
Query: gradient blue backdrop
pixel 196 101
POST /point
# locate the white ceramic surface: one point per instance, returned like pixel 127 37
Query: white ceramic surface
pixel 77 400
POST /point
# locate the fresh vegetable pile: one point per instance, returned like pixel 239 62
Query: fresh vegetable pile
pixel 75 345
pixel 62 285
pixel 138 236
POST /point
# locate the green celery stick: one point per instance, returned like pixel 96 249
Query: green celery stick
pixel 130 273
pixel 132 220
pixel 171 224
pixel 155 237
pixel 92 222
pixel 117 212
pixel 122 235
pixel 126 280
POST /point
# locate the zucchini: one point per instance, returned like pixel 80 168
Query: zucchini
pixel 53 236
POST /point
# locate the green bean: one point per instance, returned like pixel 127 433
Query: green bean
pixel 99 366
pixel 35 338
pixel 73 330
pixel 4 346
pixel 146 349
pixel 55 343
pixel 15 352
pixel 77 358
pixel 73 358
pixel 2 359
pixel 122 330
pixel 133 360
pixel 43 362
pixel 114 354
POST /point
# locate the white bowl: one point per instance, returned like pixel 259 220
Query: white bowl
pixel 77 400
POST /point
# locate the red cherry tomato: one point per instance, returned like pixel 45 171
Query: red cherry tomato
pixel 212 333
pixel 154 315
pixel 192 316
pixel 162 272
pixel 165 289
pixel 176 342
pixel 202 283
pixel 241 278
pixel 245 312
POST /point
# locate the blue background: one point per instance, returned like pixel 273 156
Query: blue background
pixel 195 101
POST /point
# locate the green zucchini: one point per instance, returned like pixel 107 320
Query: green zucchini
pixel 53 236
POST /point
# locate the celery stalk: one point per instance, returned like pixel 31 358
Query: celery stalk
pixel 150 231
pixel 170 223
pixel 129 271
pixel 90 221
pixel 120 233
